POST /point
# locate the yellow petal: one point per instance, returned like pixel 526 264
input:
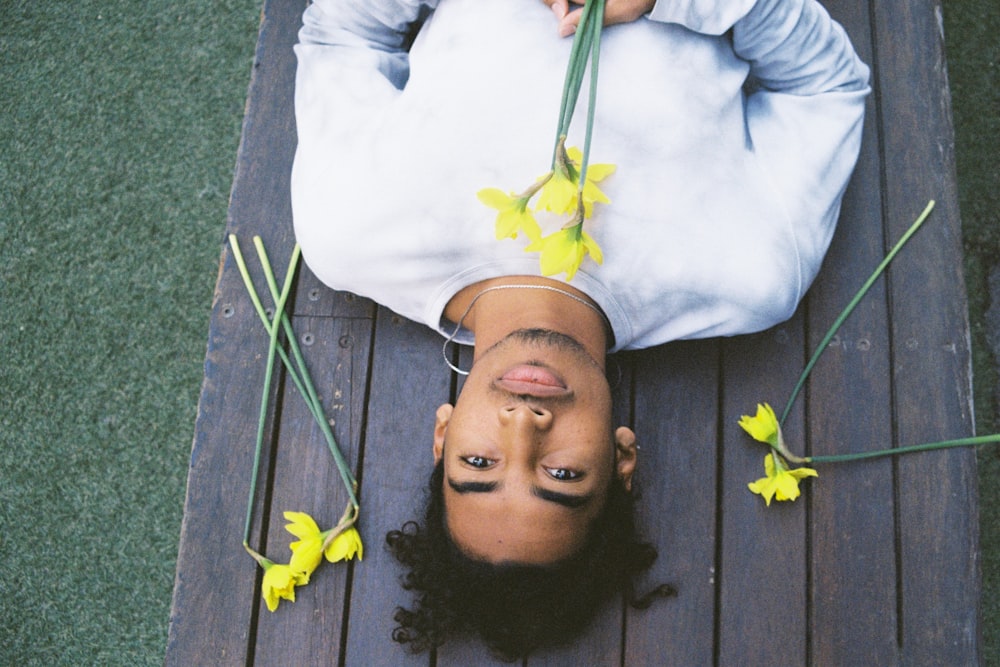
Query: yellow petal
pixel 558 252
pixel 591 246
pixel 780 482
pixel 786 486
pixel 763 487
pixel 301 525
pixel 598 172
pixel 506 224
pixel 306 555
pixel 530 227
pixel 345 546
pixel 558 195
pixel 763 426
pixel 595 172
pixel 495 198
pixel 279 584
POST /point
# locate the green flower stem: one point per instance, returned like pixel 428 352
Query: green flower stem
pixel 583 49
pixel 262 314
pixel 596 23
pixel 944 444
pixel 309 394
pixel 574 76
pixel 268 374
pixel 850 308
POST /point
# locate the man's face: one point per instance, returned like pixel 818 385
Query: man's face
pixel 528 451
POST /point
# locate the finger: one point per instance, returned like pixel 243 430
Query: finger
pixel 558 7
pixel 569 23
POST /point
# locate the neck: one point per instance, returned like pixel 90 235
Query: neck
pixel 495 314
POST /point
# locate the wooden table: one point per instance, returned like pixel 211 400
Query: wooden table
pixel 875 565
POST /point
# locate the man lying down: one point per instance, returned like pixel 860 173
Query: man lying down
pixel 735 126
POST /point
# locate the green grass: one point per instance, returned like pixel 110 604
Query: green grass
pixel 971 31
pixel 119 123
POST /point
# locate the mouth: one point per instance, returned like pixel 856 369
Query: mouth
pixel 530 380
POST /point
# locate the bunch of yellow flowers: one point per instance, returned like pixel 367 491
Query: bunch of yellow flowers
pixel 561 193
pixel 308 551
pixel 570 185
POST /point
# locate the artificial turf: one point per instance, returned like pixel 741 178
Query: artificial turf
pixel 119 123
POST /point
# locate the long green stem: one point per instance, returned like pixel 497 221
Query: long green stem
pixel 269 326
pixel 851 306
pixel 944 444
pixel 307 388
pixel 594 28
pixel 268 374
pixel 579 55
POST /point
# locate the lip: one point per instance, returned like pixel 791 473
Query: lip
pixel 530 380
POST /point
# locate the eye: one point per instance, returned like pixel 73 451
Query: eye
pixel 563 474
pixel 478 461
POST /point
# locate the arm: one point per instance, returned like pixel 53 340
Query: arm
pixel 368 35
pixel 804 117
pixel 793 46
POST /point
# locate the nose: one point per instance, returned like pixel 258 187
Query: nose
pixel 525 418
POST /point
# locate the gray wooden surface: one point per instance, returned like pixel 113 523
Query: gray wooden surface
pixel 876 562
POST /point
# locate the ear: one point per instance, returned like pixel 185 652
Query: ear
pixel 441 419
pixel 625 455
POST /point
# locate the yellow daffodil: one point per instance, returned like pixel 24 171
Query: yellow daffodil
pixel 564 250
pixel 513 215
pixel 345 545
pixel 763 426
pixel 279 583
pixel 780 482
pixel 307 551
pixel 559 194
pixel 595 174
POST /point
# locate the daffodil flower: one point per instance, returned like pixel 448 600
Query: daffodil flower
pixel 595 174
pixel 564 250
pixel 780 482
pixel 307 551
pixel 763 426
pixel 561 193
pixel 513 215
pixel 279 583
pixel 345 545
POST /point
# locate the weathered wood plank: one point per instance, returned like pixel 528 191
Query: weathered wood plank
pixel 937 491
pixel 210 621
pixel 676 424
pixel 408 382
pixel 763 584
pixel 853 548
pixel 306 479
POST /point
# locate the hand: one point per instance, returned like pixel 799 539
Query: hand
pixel 615 11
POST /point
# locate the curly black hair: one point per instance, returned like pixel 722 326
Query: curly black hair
pixel 514 608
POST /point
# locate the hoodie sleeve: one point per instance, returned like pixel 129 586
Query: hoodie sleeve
pixel 804 108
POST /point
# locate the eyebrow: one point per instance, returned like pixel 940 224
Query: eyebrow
pixel 568 500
